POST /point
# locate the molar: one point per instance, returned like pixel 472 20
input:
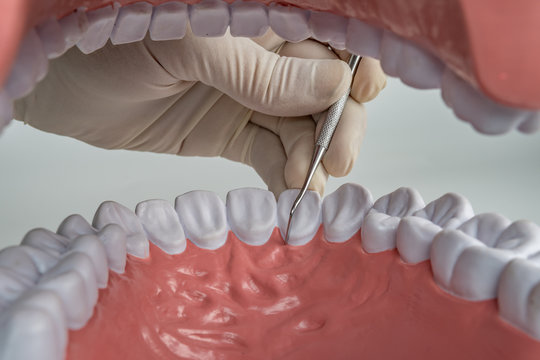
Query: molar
pixel 15 259
pixel 330 28
pixel 381 222
pixel 290 23
pixel 209 18
pixel 74 226
pixel 91 246
pixel 343 212
pixel 100 27
pixel 74 281
pixel 132 23
pixel 415 233
pixel 471 267
pixel 162 225
pixel 248 19
pixel 12 285
pixel 47 241
pixel 306 220
pixel 203 216
pixel 111 212
pixel 169 21
pixel 252 214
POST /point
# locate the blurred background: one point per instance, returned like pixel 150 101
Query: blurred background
pixel 413 140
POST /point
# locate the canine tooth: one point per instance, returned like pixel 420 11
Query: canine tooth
pixel 49 302
pixel 390 53
pixel 252 214
pixel 92 246
pixel 472 269
pixel 485 115
pixel 111 212
pixel 47 241
pixel 307 218
pixel 381 222
pixel 363 39
pixel 343 212
pixel 6 109
pixel 52 38
pixel 12 285
pixel 114 240
pixel 132 23
pixel 203 216
pixel 74 26
pixel 518 280
pixel 74 280
pixel 415 233
pixel 15 259
pixel 531 124
pixel 162 225
pixel 29 333
pixel 330 28
pixel 418 68
pixel 100 27
pixel 74 226
pixel 209 18
pixel 289 22
pixel 29 67
pixel 169 21
pixel 248 19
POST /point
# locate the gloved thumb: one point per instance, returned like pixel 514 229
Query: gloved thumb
pixel 255 77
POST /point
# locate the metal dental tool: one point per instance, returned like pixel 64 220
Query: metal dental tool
pixel 323 141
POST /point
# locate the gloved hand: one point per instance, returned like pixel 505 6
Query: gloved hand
pixel 230 97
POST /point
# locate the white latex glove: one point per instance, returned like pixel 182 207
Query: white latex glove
pixel 230 97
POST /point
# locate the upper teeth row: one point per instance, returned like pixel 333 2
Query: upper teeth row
pixel 57 275
pixel 416 67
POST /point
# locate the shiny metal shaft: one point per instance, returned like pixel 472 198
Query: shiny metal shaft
pixel 323 141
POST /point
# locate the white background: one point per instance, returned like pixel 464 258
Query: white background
pixel 413 140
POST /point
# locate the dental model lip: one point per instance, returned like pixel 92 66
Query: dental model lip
pixel 251 296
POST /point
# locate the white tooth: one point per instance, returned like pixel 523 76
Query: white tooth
pixel 289 22
pixel 248 19
pixel 132 23
pixel 162 225
pixel 252 214
pixel 485 115
pixel 470 268
pixel 100 27
pixel 330 28
pixel 15 259
pixel 363 39
pixel 42 260
pixel 204 218
pixel 418 68
pixel 381 222
pixel 74 26
pixel 169 21
pixel 47 241
pixel 6 110
pixel 533 311
pixel 531 124
pixel 514 301
pixel 111 212
pixel 343 212
pixel 29 333
pixel 74 281
pixel 114 240
pixel 485 227
pixel 91 246
pixel 391 49
pixel 49 302
pixel 12 285
pixel 29 67
pixel 307 217
pixel 74 226
pixel 209 18
pixel 52 38
pixel 415 233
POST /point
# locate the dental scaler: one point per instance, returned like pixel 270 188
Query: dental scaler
pixel 323 141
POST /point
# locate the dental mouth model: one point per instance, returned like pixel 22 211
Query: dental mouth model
pixel 435 280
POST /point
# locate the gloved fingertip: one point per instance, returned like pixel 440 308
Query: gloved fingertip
pixel 332 79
